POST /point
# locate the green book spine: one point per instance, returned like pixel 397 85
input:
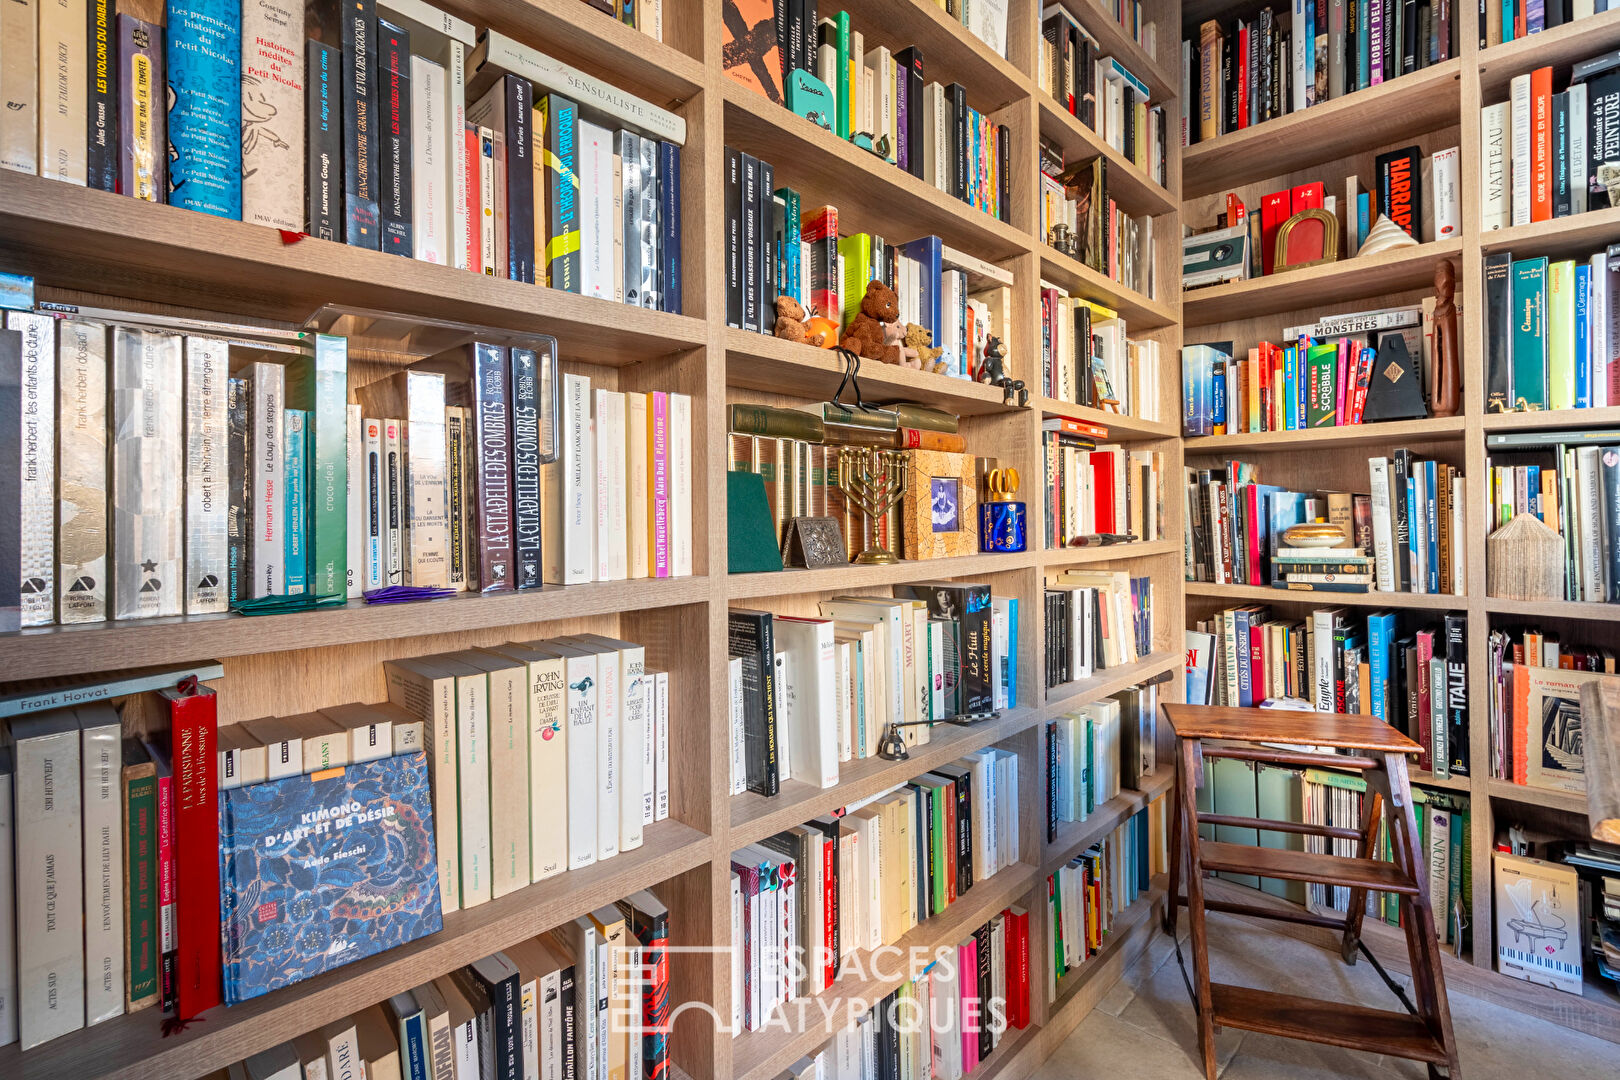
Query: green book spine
pixel 776 423
pixel 319 384
pixel 1321 365
pixel 936 802
pixel 855 253
pixel 1459 840
pixel 1091 756
pixel 1056 895
pixel 843 75
pixel 1530 332
pixel 140 887
pixel 1561 335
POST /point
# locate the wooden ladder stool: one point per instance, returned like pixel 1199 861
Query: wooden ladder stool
pixel 1379 752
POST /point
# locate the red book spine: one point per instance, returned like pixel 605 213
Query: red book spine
pixel 1102 485
pixel 1308 197
pixel 1364 363
pixel 829 894
pixel 1273 212
pixel 1425 732
pixel 165 818
pixel 1018 969
pixel 1243 78
pixel 1251 514
pixel 1257 661
pixel 196 842
pixel 475 219
pixel 1541 203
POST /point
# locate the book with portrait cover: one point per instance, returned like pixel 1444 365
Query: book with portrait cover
pixel 324 869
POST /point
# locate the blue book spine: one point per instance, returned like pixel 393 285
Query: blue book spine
pixel 1012 653
pixel 295 485
pixel 1432 526
pixel 204 54
pixel 669 218
pixel 1413 531
pixel 1363 73
pixel 1535 16
pixel 1217 402
pixel 1363 217
pixel 1533 483
pixel 1378 633
pixel 1244 673
pixel 1583 341
pixel 1507 21
pixel 415 1049
pixel 1310 54
pixel 928 251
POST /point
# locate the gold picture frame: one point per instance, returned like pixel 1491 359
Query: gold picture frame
pixel 1329 250
pixel 940 512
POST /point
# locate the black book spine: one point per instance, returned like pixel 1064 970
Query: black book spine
pixel 892 1050
pixel 1051 781
pixel 1003 154
pixel 491 400
pixel 910 62
pixel 568 1002
pixel 1400 189
pixel 1400 471
pixel 1128 95
pixel 1499 327
pixel 239 485
pixel 1611 507
pixel 1484 8
pixel 506 1024
pixel 359 125
pixel 748 207
pixel 1409 35
pixel 1230 104
pixel 749 636
pixel 733 254
pixel 519 179
pixel 927 796
pixel 1561 193
pixel 394 145
pixel 1602 132
pixel 669 224
pixel 766 280
pixel 812 20
pixel 323 141
pixel 956 94
pixel 789 35
pixel 526 469
pixel 101 101
pixel 986 1036
pixel 1457 693
pixel 964 833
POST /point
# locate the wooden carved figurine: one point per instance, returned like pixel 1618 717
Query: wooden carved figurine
pixel 1448 372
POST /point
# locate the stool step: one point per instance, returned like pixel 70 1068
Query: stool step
pixel 1335 1023
pixel 1280 914
pixel 1305 866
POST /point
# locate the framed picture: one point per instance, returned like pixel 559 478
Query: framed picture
pixel 940 511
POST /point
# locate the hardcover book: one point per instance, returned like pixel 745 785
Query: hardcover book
pixel 532 440
pixel 325 869
pixel 205 119
pixel 394 138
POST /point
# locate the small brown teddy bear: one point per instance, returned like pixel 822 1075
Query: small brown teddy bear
pixel 790 324
pixel 864 335
pixel 920 342
pixel 894 337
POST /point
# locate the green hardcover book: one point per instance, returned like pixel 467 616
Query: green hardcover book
pixel 318 383
pixel 1529 365
pixel 1321 371
pixel 938 792
pixel 843 75
pixel 855 255
pixel 776 423
pixel 140 877
pixel 1236 796
pixel 1281 798
pixel 1561 335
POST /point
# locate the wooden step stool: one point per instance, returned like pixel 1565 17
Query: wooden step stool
pixel 1379 751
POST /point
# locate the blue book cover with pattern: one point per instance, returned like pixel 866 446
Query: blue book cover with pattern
pixel 324 869
pixel 204 58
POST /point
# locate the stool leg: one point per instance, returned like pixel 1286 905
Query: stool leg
pixel 1366 848
pixel 1195 909
pixel 1176 854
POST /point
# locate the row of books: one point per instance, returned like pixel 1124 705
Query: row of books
pixel 1096 620
pixel 1280 61
pixel 394 128
pixel 645 15
pixel 1089 358
pixel 1076 208
pixel 1570 481
pixel 1100 490
pixel 1409 673
pixel 943 1023
pixel 1335 799
pixel 1094 752
pixel 588 999
pixel 808 694
pixel 1535 682
pixel 1543 881
pixel 1100 91
pixel 1235 526
pixel 1547 332
pixel 1542 152
pixel 1318 376
pixel 872 96
pixel 1085 895
pixel 805 901
pixel 1515 19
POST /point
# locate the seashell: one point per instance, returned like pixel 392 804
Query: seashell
pixel 1385 235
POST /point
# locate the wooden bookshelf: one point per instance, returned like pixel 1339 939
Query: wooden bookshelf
pixel 1348 279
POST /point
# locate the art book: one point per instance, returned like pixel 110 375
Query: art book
pixel 1549 715
pixel 325 869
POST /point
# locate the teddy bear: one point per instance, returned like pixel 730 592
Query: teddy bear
pixel 894 337
pixel 864 335
pixel 919 342
pixel 791 325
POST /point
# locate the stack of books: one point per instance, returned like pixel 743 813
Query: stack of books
pixel 1535 681
pixel 1322 569
pixel 394 128
pixel 1598 865
pixel 1570 480
pixel 1101 91
pixel 1547 332
pixel 1097 750
pixel 1095 620
pixel 1089 892
pixel 809 900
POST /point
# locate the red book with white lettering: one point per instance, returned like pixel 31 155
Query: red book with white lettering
pixel 1017 967
pixel 192 741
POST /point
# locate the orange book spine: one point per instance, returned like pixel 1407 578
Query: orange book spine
pixel 1540 144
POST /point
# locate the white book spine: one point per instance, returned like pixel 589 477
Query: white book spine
pixel 632 700
pixel 265 444
pixel 272 108
pixel 1322 632
pixel 207 498
pixel 431 140
pixel 736 952
pixel 1447 216
pixel 569 542
pixel 63 91
pixel 357 479
pixel 548 768
pixel 1383 525
pixel 426 513
pixel 612 536
pixel 393 502
pixel 373 479
pixel 487 165
pixel 1519 170
pixel 467 1050
pixel 596 210
pixel 1459 545
pixel 1594 556
pixel 81 537
pixel 472 771
pixel 680 484
pixel 650 289
pixel 614 227
pixel 582 779
pixel 8 913
pixel 101 757
pixel 1494 167
pixel 627 151
pixel 1297 47
pixel 549 1025
pixel 649 751
pixel 50 939
pixel 1598 329
pixel 610 765
pixel 38 503
pixel 529 1059
pixel 738 710
pixel 635 437
pixel 462 221
pixel 661 765
pixel 1578 186
pixel 148 516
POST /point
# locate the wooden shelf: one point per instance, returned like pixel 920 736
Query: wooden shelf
pixel 854 576
pixel 1242 594
pixel 1078 279
pixel 1128 185
pixel 65 650
pixel 1553 609
pixel 1449 783
pixel 1073 837
pixel 762 362
pixel 1537 796
pixel 1392 432
pixel 871 195
pixel 1120 427
pixel 754 817
pixel 951 52
pixel 76 238
pixel 1579 235
pixel 1071 695
pixel 1552 419
pixel 1141 917
pixel 1558 48
pixel 132 1046
pixel 759 1055
pixel 1318 286
pixel 1064 558
pixel 1365 120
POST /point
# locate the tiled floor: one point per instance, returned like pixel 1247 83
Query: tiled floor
pixel 1143 1029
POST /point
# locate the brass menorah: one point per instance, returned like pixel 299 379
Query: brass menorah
pixel 874 481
